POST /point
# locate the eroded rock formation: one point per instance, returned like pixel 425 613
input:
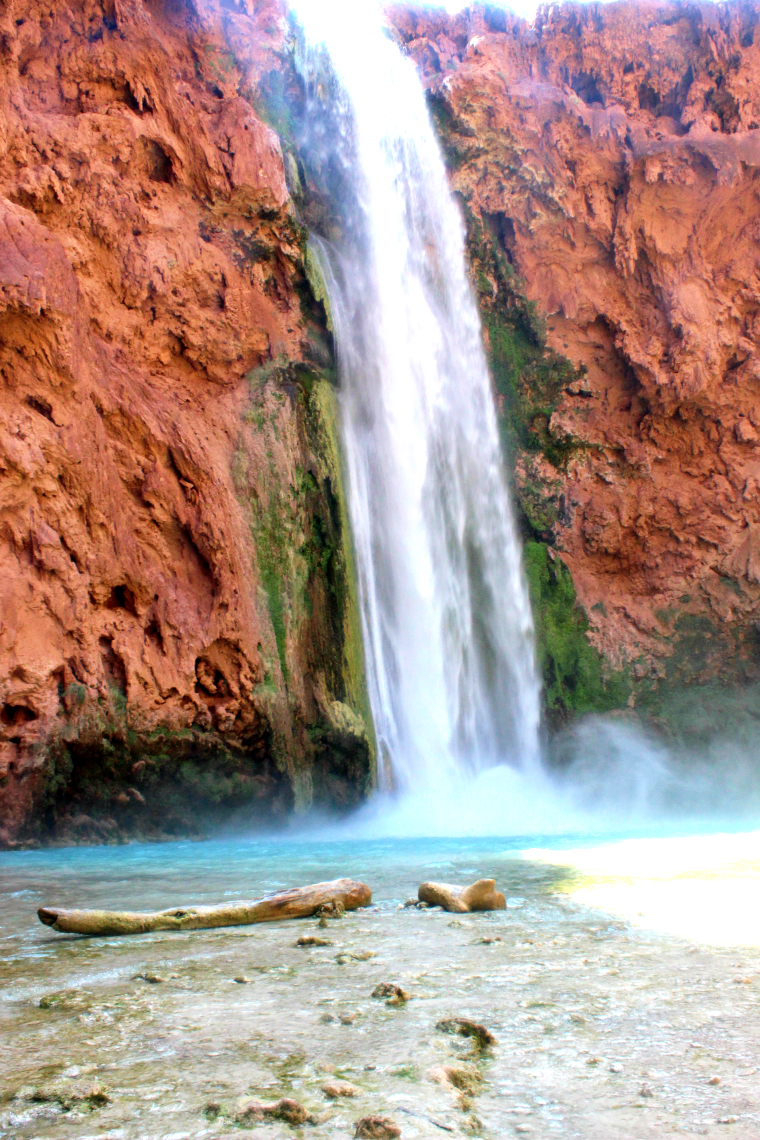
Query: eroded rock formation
pixel 177 622
pixel 608 163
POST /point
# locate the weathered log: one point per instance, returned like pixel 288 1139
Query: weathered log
pixel 478 896
pixel 300 902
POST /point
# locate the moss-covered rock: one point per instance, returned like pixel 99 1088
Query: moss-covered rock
pixel 528 376
pixel 575 677
pixel 302 540
pixel 529 379
pixel 118 784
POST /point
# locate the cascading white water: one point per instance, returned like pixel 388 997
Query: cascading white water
pixel 446 619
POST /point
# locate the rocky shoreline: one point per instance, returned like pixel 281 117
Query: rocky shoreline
pixel 592 1025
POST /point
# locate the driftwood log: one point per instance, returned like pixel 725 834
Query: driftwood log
pixel 478 896
pixel 300 902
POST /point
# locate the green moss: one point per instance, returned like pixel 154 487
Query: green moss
pixel 323 427
pixel 271 542
pixel 528 376
pixel 183 776
pixel 75 693
pixel 317 283
pixel 540 505
pixel 273 103
pixel 573 672
pixel 222 63
pixel 301 535
pixel 56 774
pixel 455 135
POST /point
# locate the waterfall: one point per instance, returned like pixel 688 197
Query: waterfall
pixel 446 619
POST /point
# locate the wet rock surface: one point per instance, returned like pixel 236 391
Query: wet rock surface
pixel 376 1128
pixel 464 1027
pixel 391 993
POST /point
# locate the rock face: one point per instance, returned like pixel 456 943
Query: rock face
pixel 178 623
pixel 178 629
pixel 608 163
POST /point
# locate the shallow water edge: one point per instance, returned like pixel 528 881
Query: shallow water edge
pixel 604 1028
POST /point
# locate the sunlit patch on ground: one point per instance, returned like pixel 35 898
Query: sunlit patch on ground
pixel 703 888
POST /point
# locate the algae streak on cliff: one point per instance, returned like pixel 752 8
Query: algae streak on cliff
pixel 447 624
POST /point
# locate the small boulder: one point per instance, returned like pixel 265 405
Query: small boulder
pixel 465 1079
pixel 335 1089
pixel 393 993
pixel 464 1027
pixel 312 940
pixel 478 896
pixel 376 1128
pixel 288 1111
pixel 248 1110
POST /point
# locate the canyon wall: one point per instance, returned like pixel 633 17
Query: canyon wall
pixel 608 165
pixel 179 635
pixel 179 638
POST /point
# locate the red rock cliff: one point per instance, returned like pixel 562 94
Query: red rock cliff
pixel 610 155
pixel 175 596
pixel 177 616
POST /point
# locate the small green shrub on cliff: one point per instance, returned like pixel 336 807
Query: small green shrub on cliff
pixel 56 775
pixel 572 671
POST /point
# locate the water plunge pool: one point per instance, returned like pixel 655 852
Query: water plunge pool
pixel 609 1022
